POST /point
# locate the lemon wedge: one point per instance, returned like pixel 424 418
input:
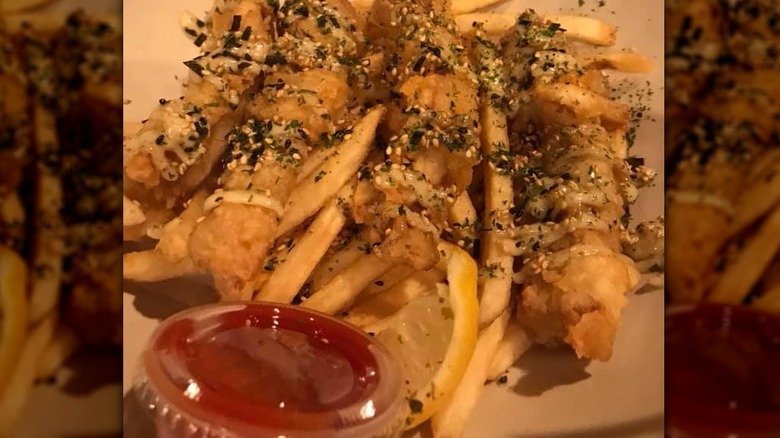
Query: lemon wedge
pixel 433 337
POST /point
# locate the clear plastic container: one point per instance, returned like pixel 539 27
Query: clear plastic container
pixel 722 372
pixel 255 370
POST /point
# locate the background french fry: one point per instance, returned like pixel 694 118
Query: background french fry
pixel 48 244
pixel 769 301
pixel 758 198
pixel 761 164
pixel 21 383
pixel 62 346
pixel 742 275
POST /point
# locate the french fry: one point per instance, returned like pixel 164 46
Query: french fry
pixel 742 275
pixel 463 213
pixel 585 104
pixel 628 62
pixel 495 293
pixel 311 194
pixel 761 164
pixel 328 268
pixel 513 345
pixel 62 346
pixel 383 305
pixel 289 276
pixel 131 212
pixel 12 209
pixel 386 282
pixel 363 5
pixel 174 240
pixel 465 6
pixel 15 6
pixel 771 277
pixel 492 24
pixel 313 161
pixel 342 289
pixel 48 244
pixel 757 199
pixel 13 301
pixel 23 375
pixel 769 301
pixel 450 420
pixel 457 7
pixel 150 266
pixel 47 24
pixel 446 250
pixel 584 29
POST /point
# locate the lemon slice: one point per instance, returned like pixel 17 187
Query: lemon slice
pixel 433 338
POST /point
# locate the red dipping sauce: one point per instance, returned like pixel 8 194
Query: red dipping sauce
pixel 267 370
pixel 722 372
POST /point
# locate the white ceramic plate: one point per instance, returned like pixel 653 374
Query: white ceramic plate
pixel 549 393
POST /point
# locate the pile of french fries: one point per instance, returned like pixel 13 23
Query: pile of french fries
pixel 309 266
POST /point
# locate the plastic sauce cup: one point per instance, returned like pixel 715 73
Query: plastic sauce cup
pixel 722 372
pixel 255 370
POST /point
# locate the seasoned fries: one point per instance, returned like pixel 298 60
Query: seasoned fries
pixel 383 147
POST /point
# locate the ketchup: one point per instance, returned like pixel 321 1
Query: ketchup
pixel 258 369
pixel 723 371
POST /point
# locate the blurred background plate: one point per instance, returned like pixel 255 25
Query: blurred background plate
pixel 85 398
pixel 549 393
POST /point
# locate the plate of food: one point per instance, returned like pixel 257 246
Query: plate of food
pixel 471 184
pixel 60 314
